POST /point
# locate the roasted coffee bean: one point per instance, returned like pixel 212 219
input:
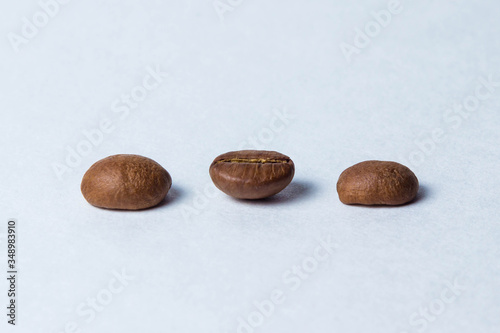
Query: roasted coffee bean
pixel 252 174
pixel 377 183
pixel 128 182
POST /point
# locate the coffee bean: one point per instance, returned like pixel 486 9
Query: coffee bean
pixel 252 174
pixel 128 182
pixel 377 183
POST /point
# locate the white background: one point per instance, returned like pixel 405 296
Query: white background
pixel 201 260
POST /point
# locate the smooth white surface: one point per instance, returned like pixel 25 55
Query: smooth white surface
pixel 199 263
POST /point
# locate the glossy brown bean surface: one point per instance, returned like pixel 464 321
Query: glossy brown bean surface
pixel 252 174
pixel 377 183
pixel 129 182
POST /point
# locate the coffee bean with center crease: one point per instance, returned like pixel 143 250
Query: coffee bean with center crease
pixel 252 174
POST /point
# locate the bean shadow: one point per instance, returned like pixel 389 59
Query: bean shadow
pixel 295 192
pixel 173 195
pixel 424 193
